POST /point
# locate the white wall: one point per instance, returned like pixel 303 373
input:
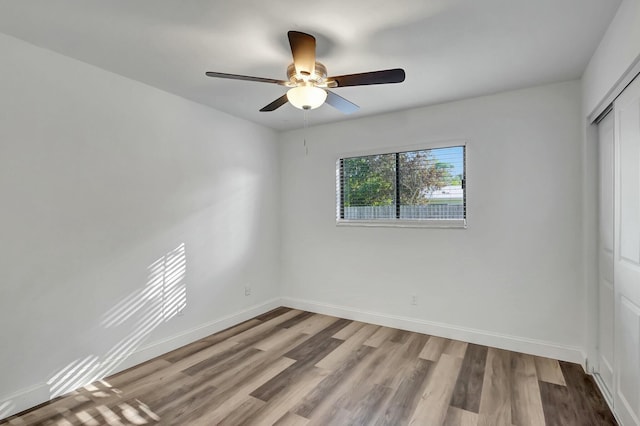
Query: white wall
pixel 618 51
pixel 512 279
pixel 100 177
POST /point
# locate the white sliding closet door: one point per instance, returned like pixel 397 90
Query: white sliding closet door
pixel 605 253
pixel 627 254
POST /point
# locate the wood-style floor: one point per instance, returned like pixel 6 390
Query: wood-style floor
pixel 289 367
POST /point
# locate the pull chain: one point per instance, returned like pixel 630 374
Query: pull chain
pixel 306 125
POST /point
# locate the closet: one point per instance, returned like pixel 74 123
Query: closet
pixel 618 363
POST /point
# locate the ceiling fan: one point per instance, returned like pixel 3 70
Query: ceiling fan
pixel 308 82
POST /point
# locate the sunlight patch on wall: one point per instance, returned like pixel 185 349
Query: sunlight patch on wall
pixel 166 278
pixel 77 372
pixel 165 287
pixel 163 297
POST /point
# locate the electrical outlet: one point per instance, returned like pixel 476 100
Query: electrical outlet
pixel 414 300
pixel 247 290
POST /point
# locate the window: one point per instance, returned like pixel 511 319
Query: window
pixel 419 187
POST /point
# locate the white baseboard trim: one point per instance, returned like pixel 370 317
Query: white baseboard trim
pixel 481 337
pixel 37 394
pixel 606 395
pixel 24 399
pixel 603 389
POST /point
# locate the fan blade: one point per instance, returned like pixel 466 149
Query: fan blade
pixel 244 77
pixel 395 75
pixel 303 49
pixel 275 104
pixel 340 103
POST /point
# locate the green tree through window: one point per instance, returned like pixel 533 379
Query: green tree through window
pixel 369 181
pixel 401 180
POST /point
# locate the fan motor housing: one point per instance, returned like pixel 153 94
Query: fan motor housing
pixel 318 78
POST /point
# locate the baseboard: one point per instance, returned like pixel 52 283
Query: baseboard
pixel 24 399
pixel 606 395
pixel 481 337
pixel 603 389
pixel 40 393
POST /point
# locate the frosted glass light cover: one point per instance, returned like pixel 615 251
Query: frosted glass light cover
pixel 306 97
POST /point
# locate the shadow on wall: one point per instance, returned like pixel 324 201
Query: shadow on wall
pixel 163 297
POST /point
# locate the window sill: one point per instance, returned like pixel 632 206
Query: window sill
pixel 456 223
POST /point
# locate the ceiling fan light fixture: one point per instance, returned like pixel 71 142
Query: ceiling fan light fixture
pixel 306 97
pixel 307 79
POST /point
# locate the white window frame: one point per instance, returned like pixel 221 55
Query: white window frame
pixel 404 223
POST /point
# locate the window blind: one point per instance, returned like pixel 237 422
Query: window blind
pixel 418 185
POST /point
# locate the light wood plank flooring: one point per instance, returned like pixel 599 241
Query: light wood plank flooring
pixel 289 367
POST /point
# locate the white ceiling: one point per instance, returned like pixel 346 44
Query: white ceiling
pixel 450 49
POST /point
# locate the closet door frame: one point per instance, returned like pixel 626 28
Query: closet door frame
pixel 604 365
